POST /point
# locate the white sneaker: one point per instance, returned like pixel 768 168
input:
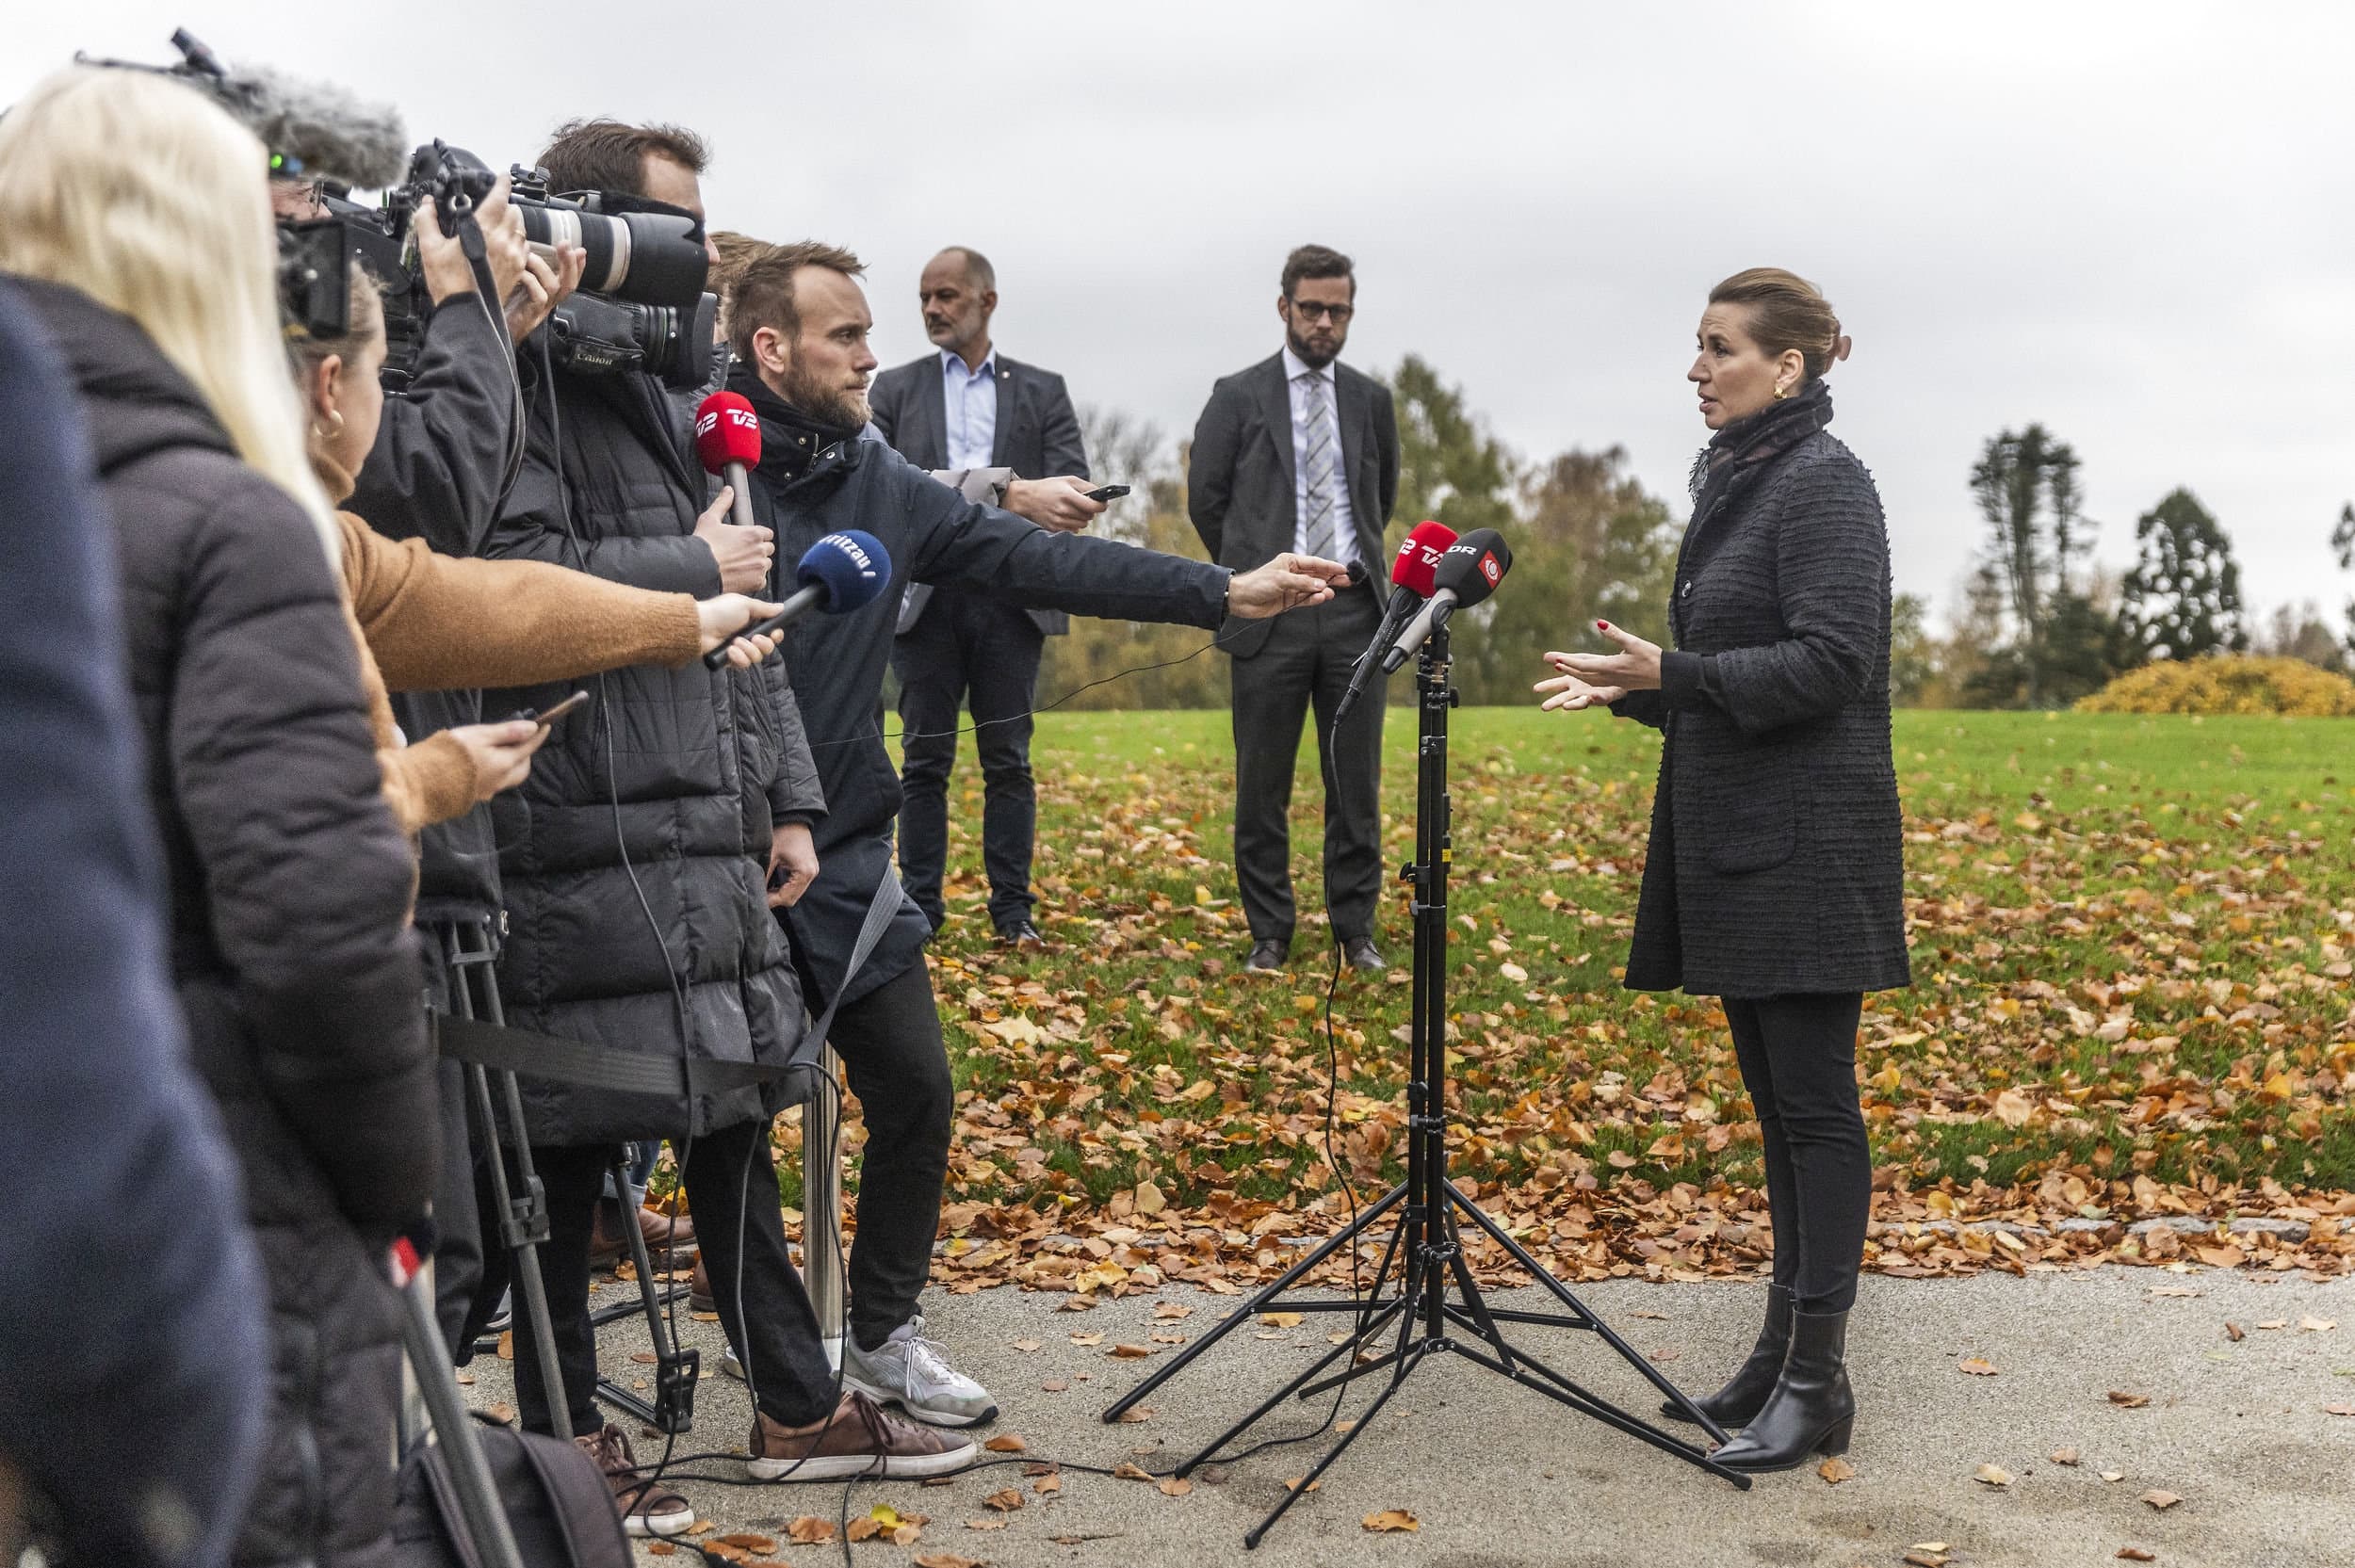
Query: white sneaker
pixel 912 1372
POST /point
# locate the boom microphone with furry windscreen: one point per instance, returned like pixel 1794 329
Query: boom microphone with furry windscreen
pixel 841 573
pixel 314 130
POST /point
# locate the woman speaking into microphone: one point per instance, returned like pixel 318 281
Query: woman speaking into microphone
pixel 1775 879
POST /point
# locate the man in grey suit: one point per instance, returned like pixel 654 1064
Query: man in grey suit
pixel 965 410
pixel 1299 452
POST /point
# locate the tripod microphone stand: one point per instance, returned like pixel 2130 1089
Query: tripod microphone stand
pixel 1435 1307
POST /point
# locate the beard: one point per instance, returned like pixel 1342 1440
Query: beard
pixel 830 404
pixel 1315 356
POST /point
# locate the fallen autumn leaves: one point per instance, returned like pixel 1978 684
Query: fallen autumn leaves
pixel 2131 1022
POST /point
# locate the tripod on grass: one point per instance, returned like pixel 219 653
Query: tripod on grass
pixel 1434 1306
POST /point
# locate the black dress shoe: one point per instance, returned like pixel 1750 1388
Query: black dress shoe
pixel 1360 952
pixel 1812 1409
pixel 1022 934
pixel 1270 954
pixel 1739 1400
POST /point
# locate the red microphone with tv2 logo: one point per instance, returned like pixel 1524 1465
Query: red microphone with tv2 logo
pixel 727 439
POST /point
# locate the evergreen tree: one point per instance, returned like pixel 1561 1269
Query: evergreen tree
pixel 2182 597
pixel 2026 483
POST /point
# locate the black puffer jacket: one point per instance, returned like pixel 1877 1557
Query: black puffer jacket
pixel 1777 858
pixel 289 887
pixel 704 765
pixel 433 473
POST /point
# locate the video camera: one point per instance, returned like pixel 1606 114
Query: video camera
pixel 642 305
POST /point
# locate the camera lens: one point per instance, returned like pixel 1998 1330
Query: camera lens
pixel 650 258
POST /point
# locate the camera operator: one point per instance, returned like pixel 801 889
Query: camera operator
pixel 434 472
pixel 137 213
pixel 693 790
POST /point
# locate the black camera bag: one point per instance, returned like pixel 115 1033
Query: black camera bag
pixel 555 1499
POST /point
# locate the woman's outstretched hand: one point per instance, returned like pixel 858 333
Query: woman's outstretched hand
pixel 1569 694
pixel 1634 668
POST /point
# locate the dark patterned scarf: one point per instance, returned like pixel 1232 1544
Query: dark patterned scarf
pixel 1737 455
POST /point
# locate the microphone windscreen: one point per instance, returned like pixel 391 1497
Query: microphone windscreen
pixel 1419 556
pixel 853 568
pixel 727 430
pixel 1473 565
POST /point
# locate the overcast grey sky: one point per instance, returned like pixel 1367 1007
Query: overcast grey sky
pixel 2129 221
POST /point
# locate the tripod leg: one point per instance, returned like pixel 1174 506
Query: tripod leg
pixel 1345 1237
pixel 1210 1450
pixel 478 1497
pixel 1257 1531
pixel 1626 1353
pixel 675 1370
pixel 522 1225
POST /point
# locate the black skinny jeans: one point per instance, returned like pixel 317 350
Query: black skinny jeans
pixel 891 1044
pixel 1799 1062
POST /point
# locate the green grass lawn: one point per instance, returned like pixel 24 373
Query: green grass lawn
pixel 2131 937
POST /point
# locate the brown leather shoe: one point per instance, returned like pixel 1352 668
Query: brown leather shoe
pixel 648 1507
pixel 862 1439
pixel 699 1297
pixel 678 1231
pixel 607 1244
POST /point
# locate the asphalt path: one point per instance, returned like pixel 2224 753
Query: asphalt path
pixel 1494 1476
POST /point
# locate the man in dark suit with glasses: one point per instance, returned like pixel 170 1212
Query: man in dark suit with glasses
pixel 1299 452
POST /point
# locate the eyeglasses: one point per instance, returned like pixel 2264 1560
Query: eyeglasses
pixel 1312 311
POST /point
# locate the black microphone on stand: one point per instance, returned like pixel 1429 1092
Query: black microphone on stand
pixel 1468 573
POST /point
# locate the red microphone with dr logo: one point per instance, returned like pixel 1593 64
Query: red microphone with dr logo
pixel 727 439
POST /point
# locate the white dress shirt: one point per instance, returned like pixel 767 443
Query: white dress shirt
pixel 971 401
pixel 1344 525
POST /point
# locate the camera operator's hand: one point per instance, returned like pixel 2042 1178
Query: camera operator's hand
pixel 543 289
pixel 742 555
pixel 443 257
pixel 792 863
pixel 501 753
pixel 1060 504
pixel 1287 582
pixel 728 614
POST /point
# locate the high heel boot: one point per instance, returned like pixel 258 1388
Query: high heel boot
pixel 1812 1409
pixel 1739 1400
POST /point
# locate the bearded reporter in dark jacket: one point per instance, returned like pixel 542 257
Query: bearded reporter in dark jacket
pixel 799 325
pixel 1776 876
pixel 141 209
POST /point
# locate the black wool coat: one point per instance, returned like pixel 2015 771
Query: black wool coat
pixel 289 885
pixel 669 781
pixel 1777 857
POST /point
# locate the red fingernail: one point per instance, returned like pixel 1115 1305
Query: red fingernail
pixel 1602 625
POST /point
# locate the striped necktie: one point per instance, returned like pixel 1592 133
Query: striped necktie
pixel 1320 527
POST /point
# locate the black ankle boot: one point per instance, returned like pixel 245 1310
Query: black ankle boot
pixel 1739 1400
pixel 1812 1409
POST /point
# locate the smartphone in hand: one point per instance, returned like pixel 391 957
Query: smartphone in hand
pixel 1108 492
pixel 555 713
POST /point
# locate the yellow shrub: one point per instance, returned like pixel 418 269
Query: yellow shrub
pixel 2227 684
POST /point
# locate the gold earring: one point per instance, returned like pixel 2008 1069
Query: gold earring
pixel 1781 392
